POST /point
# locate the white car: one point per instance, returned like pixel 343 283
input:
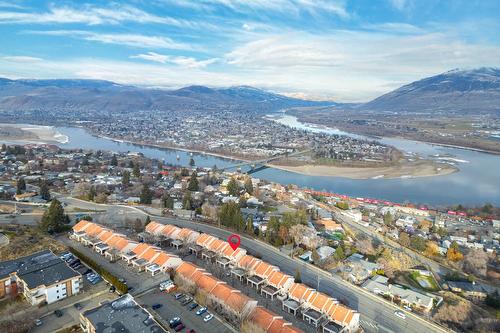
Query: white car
pixel 407 308
pixel 208 317
pixel 400 314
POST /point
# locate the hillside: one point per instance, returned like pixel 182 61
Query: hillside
pixel 457 91
pixel 109 97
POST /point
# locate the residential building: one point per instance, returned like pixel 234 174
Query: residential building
pixel 40 277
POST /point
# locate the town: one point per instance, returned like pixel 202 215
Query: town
pixel 92 238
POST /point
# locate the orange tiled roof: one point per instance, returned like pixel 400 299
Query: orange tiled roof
pixel 321 302
pixel 81 225
pixel 204 239
pixel 300 292
pixel 222 292
pixel 263 317
pixel 149 254
pixel 140 248
pixel 93 229
pixel 170 230
pixel 185 233
pixel 121 243
pixel 105 235
pixel 279 279
pixel 207 282
pixel 248 262
pixel 153 227
pixel 290 329
pixel 217 245
pixel 278 326
pixel 237 300
pixel 162 258
pixel 187 269
pixel 263 269
pixel 341 314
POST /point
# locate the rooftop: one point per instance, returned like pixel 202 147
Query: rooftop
pixel 122 315
pixel 41 268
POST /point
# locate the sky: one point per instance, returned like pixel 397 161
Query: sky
pixel 341 50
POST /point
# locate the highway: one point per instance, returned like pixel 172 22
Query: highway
pixel 377 314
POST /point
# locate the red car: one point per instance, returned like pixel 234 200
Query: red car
pixel 179 327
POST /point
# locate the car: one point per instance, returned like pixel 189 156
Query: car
pixel 187 300
pixel 407 308
pixel 156 306
pixel 174 322
pixel 178 296
pixel 400 314
pixel 201 311
pixel 112 289
pixel 87 271
pixel 122 280
pixel 78 306
pixel 130 288
pixel 192 306
pixel 58 313
pixel 38 322
pixel 208 317
pixel 179 327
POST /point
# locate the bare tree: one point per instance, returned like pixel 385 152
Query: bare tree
pixel 475 262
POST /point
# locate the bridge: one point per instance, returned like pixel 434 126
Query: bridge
pixel 262 164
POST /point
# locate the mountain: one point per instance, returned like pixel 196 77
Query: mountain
pixel 109 97
pixel 461 91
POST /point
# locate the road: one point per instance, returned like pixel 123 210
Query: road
pixel 377 315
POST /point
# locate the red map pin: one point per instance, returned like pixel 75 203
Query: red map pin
pixel 234 241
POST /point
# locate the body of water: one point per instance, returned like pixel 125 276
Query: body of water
pixel 478 181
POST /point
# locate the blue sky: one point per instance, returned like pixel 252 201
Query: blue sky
pixel 340 50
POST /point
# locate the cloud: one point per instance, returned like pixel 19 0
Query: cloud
pixel 182 61
pixel 134 40
pixel 400 4
pixel 90 15
pixel 336 7
pixel 21 59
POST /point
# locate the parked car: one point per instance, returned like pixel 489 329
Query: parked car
pixel 192 306
pixel 208 317
pixel 112 289
pixel 201 311
pixel 187 300
pixel 400 314
pixel 78 306
pixel 407 308
pixel 58 313
pixel 156 306
pixel 38 322
pixel 178 296
pixel 179 327
pixel 174 322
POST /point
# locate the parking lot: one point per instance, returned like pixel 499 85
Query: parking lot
pixel 173 308
pixel 145 289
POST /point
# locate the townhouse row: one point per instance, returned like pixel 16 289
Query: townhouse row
pixel 316 308
pixel 152 259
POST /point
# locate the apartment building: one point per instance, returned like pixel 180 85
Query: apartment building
pixel 41 277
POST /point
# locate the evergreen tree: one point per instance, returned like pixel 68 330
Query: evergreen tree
pixel 54 218
pixel 21 186
pixel 233 187
pixel 136 171
pixel 4 147
pixel 125 177
pixel 250 225
pixel 186 201
pixel 146 196
pixel 191 162
pixel 44 190
pixel 167 201
pixel 230 216
pixel 114 161
pixel 298 278
pixel 193 183
pixel 249 186
pixel 339 253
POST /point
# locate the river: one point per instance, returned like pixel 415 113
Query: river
pixel 477 182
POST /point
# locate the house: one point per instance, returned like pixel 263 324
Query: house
pixel 277 283
pixel 297 295
pixel 325 252
pixel 358 268
pixel 123 314
pixel 469 290
pixel 260 274
pixel 330 226
pixel 269 322
pixel 400 295
pixel 40 277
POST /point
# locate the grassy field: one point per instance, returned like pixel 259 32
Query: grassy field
pixel 422 281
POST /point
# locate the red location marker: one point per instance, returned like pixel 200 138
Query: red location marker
pixel 234 241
